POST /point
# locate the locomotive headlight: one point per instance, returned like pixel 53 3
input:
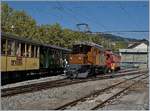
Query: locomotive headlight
pixel 79 58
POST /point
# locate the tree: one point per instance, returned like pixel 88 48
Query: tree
pixel 5 17
pixel 21 24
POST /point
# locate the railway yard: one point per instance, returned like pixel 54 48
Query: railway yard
pixel 128 89
pixel 54 57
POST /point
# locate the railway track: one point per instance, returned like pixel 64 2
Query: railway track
pixel 102 91
pixel 116 94
pixel 57 83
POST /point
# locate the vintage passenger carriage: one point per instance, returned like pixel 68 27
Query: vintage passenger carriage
pixel 23 57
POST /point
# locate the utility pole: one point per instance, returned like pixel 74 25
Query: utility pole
pixel 148 54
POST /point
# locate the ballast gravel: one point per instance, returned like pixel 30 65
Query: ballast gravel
pixel 54 97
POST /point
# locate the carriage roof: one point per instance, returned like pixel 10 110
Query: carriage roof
pixel 27 40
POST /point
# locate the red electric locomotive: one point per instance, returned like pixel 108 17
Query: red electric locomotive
pixel 89 59
pixel 112 61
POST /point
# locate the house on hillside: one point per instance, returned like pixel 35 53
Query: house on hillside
pixel 136 55
pixel 139 45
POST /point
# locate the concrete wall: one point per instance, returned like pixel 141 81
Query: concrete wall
pixel 136 56
pixel 134 59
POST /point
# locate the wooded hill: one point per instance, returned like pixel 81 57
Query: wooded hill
pixel 19 23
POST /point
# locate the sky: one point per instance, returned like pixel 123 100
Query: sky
pixel 101 16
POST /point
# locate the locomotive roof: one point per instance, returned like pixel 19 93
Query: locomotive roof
pixel 110 52
pixel 90 44
pixel 27 40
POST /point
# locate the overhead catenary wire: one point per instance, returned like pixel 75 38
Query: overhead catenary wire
pixel 62 9
pixel 104 27
pixel 72 12
pixel 128 15
pixel 74 17
pixel 90 19
pixel 128 31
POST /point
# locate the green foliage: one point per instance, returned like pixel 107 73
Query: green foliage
pixel 20 24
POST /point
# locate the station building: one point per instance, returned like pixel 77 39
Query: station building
pixel 136 55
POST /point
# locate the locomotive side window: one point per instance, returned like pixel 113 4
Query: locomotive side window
pixel 107 56
pixel 11 47
pixel 3 46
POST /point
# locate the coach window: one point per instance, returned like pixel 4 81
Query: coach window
pixel 23 49
pixel 35 52
pixel 28 50
pixel 38 52
pixel 53 53
pixel 32 50
pixel 3 46
pixel 18 49
pixel 11 47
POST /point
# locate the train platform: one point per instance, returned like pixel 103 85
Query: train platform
pixel 52 78
pixel 28 82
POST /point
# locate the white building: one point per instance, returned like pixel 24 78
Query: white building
pixel 135 55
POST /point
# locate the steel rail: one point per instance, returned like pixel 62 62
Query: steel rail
pixel 115 95
pixel 72 103
pixel 52 84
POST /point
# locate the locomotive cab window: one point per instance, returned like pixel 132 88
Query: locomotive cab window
pixel 3 46
pixel 107 56
pixel 83 49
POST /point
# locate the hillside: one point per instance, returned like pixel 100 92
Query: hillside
pixel 119 38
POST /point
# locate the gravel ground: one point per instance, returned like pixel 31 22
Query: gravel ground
pixel 137 98
pixel 52 98
pixel 93 101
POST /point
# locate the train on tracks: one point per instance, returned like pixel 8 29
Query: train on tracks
pixel 21 58
pixel 90 59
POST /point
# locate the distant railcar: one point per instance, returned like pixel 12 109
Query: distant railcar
pixel 22 57
pixel 112 59
pixel 90 59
